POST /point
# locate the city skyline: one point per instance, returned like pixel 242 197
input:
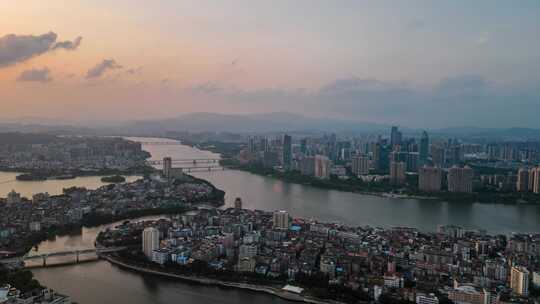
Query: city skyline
pixel 408 64
pixel 315 151
pixel 327 209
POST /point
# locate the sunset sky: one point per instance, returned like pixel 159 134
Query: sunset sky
pixel 414 63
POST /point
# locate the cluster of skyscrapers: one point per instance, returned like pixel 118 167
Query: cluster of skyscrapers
pixel 278 152
pixel 437 166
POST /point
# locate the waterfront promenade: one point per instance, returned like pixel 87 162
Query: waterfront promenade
pixel 256 288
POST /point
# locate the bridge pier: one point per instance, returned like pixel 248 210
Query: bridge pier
pixel 77 255
pixel 44 258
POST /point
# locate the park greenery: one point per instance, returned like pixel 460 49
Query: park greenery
pixel 113 179
pixel 20 279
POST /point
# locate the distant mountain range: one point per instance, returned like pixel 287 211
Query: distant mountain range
pixel 64 129
pixel 250 123
pixel 255 123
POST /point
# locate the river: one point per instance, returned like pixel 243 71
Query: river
pixel 259 192
pixel 100 282
pixel 53 186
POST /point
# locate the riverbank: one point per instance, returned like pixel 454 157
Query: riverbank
pixel 352 184
pixel 227 151
pixel 28 239
pixel 25 174
pixel 381 189
pixel 206 281
pixel 338 185
pixel 95 220
pixel 89 221
pixel 261 191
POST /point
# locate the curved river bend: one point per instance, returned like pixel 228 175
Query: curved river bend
pixel 101 282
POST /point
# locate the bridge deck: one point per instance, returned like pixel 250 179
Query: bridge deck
pixel 61 253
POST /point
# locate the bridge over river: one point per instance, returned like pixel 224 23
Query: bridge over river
pixel 68 253
pixel 189 165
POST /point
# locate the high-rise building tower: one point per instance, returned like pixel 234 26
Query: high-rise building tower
pixel 429 179
pixel 331 147
pixel 522 184
pixel 280 219
pixel 264 146
pixel 398 156
pixel 303 146
pixel 287 152
pixel 344 150
pixel 424 147
pixel 307 166
pixel 322 166
pixel 519 280
pixel 454 155
pixel 376 152
pixel 534 180
pixel 150 241
pixel 397 173
pixel 532 173
pixel 460 179
pixel 381 157
pixel 167 167
pixel 395 136
pixel 413 161
pixel 360 165
pixel 252 148
pixel 438 155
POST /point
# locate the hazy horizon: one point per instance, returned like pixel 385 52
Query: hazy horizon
pixel 418 64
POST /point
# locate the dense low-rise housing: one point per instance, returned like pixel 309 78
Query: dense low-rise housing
pixel 466 267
